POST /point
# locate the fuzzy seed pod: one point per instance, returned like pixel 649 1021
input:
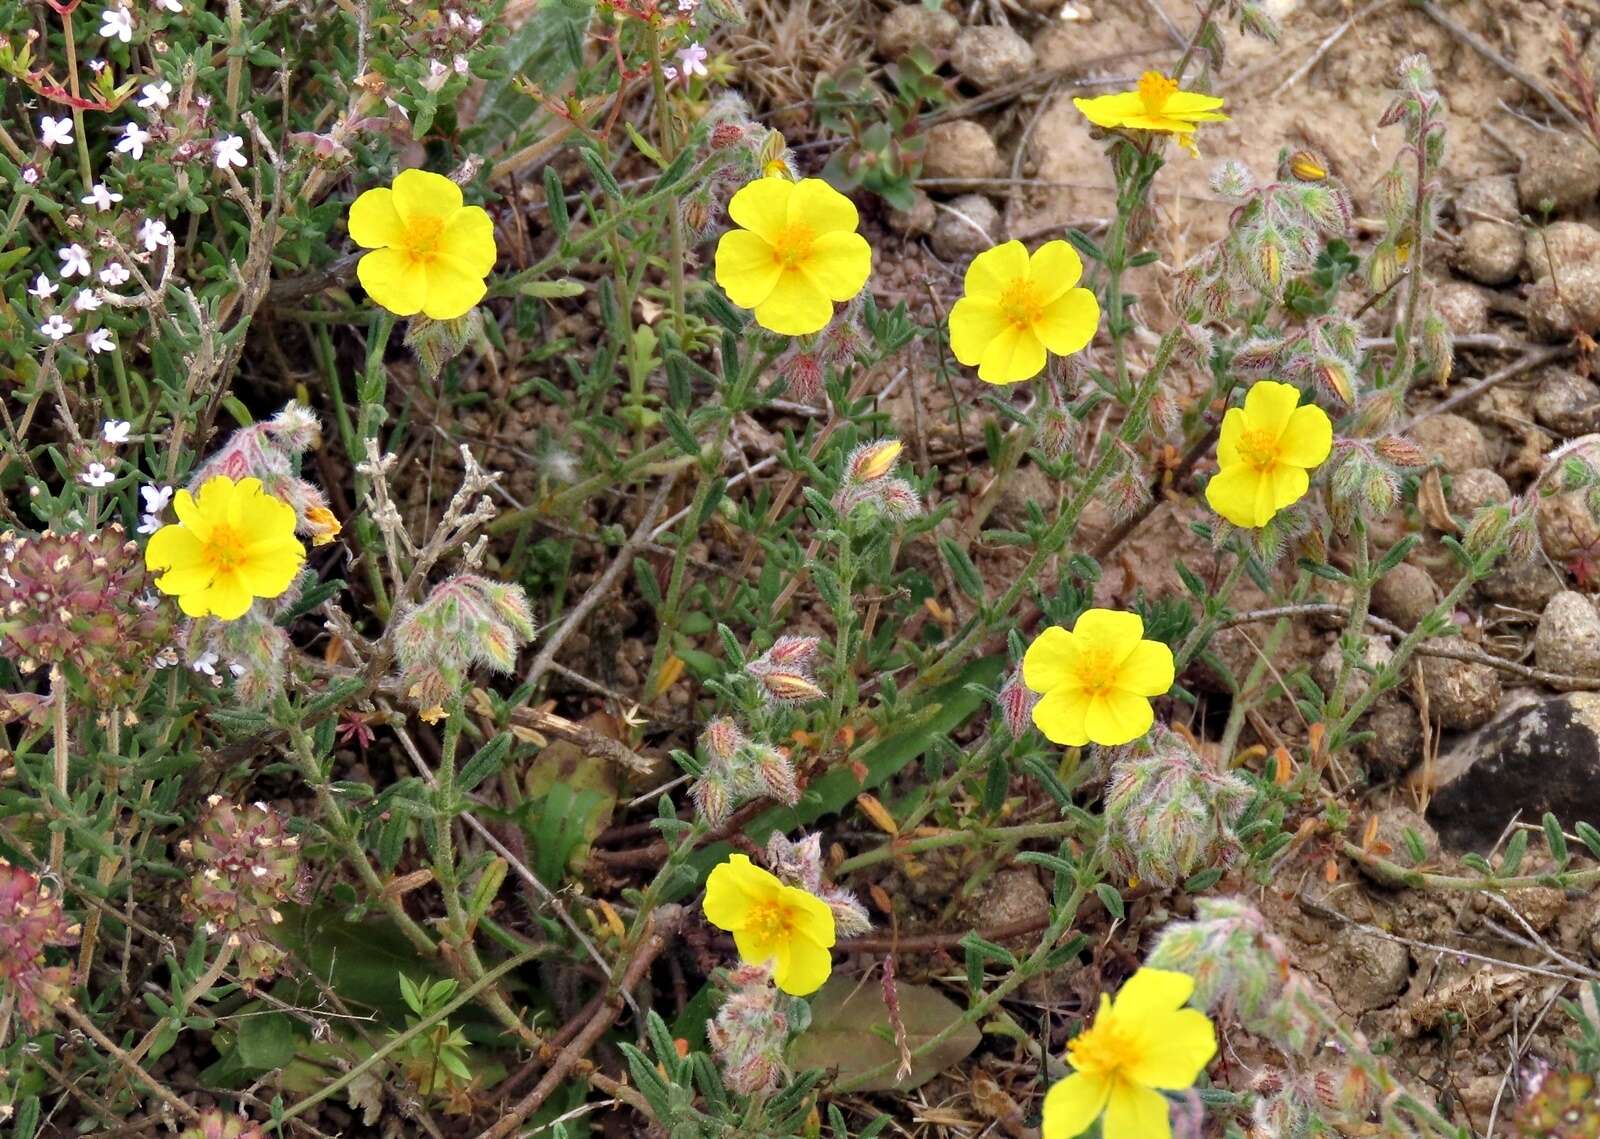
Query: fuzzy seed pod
pixel 466 620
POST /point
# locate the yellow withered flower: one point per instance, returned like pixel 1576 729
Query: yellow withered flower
pixel 1266 450
pixel 430 251
pixel 1157 105
pixel 1096 681
pixel 1018 307
pixel 784 926
pixel 795 253
pixel 232 543
pixel 1141 1044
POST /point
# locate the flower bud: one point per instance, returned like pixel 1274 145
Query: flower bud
pixel 1056 432
pixel 722 739
pixel 1307 166
pixel 803 376
pixel 1401 452
pixel 1016 702
pixel 1334 376
pixel 1486 530
pixel 1437 346
pixel 873 461
pixel 465 620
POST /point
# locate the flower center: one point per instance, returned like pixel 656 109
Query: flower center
pixel 1259 449
pixel 793 247
pixel 768 920
pixel 422 237
pixel 1096 671
pixel 1154 91
pixel 224 549
pixel 1019 304
pixel 1104 1049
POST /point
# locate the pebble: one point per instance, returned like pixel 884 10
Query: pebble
pixel 965 227
pixel 1456 442
pixel 989 56
pixel 1463 307
pixel 911 25
pixel 1559 175
pixel 961 150
pixel 1568 638
pixel 1472 490
pixel 1566 403
pixel 1461 694
pixel 1405 595
pixel 1489 253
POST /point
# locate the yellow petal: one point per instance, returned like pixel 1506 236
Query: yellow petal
pixel 1115 717
pixel 373 221
pixel 1307 438
pixel 1175 1048
pixel 974 324
pixel 452 291
pixel 1147 670
pixel 795 306
pixel 993 270
pixel 1068 323
pixel 1152 992
pixel 1135 1112
pixel 1061 715
pixel 269 576
pixel 1287 485
pixel 756 949
pixel 1111 110
pixel 1054 268
pixel 1268 406
pixel 1015 355
pixel 468 239
pixel 1111 631
pixel 839 264
pixel 188 512
pixel 1194 105
pixel 1048 662
pixel 1236 493
pixel 422 193
pixel 226 600
pixel 1071 1105
pixel 746 267
pixel 1233 426
pixel 731 888
pixel 762 207
pixel 812 918
pixel 393 282
pixel 178 557
pixel 821 207
pixel 801 967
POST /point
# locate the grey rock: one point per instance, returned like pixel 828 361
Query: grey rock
pixel 1464 307
pixel 1560 176
pixel 1527 586
pixel 911 25
pixel 1568 638
pixel 989 56
pixel 1457 443
pixel 1390 840
pixel 1331 663
pixel 1560 247
pixel 1405 595
pixel 1542 757
pixel 965 227
pixel 1492 197
pixel 1567 527
pixel 1566 403
pixel 1372 971
pixel 1472 490
pixel 1396 742
pixel 1489 253
pixel 962 150
pixel 1560 308
pixel 919 217
pixel 1461 693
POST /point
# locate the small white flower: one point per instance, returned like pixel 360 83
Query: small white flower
pixel 55 132
pixel 474 25
pixel 116 23
pixel 100 198
pixel 86 301
pixel 172 6
pixel 56 328
pixel 167 657
pixel 688 5
pixel 228 152
pixel 206 663
pixel 156 96
pixel 149 523
pixel 437 74
pixel 97 65
pixel 97 476
pixel 100 341
pixel 43 288
pixel 238 670
pixel 668 72
pixel 114 274
pixel 115 431
pixel 154 234
pixel 460 65
pixel 30 174
pixel 132 141
pixel 693 60
pixel 74 260
pixel 156 498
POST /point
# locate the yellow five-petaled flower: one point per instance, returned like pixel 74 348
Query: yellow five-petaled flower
pixel 232 543
pixel 430 252
pixel 1266 449
pixel 1144 1041
pixel 784 926
pixel 1097 680
pixel 1157 105
pixel 1018 307
pixel 795 253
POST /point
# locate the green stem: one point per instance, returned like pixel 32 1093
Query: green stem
pixel 1007 836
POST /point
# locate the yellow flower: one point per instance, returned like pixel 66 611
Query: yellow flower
pixel 1157 105
pixel 1265 450
pixel 771 922
pixel 231 544
pixel 1144 1041
pixel 324 526
pixel 1097 680
pixel 1016 307
pixel 430 253
pixel 797 252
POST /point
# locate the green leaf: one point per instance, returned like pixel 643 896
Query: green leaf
pixel 851 1034
pixel 267 1040
pixel 1555 839
pixel 539 49
pixel 961 567
pixel 1515 849
pixel 1111 899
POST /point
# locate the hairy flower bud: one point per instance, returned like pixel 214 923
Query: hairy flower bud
pixel 1486 530
pixel 873 461
pixel 1400 451
pixel 1016 702
pixel 465 620
pixel 1307 166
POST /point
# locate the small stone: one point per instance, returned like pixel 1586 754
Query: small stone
pixel 1028 484
pixel 911 25
pixel 1396 742
pixel 1472 490
pixel 1463 307
pixel 1389 840
pixel 1560 309
pixel 1566 403
pixel 1371 971
pixel 1456 442
pixel 989 56
pixel 1562 244
pixel 1528 587
pixel 1560 176
pixel 918 218
pixel 961 150
pixel 1461 693
pixel 966 226
pixel 1567 527
pixel 1542 757
pixel 1405 595
pixel 1012 897
pixel 1331 663
pixel 1489 253
pixel 1539 906
pixel 1492 197
pixel 1568 638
